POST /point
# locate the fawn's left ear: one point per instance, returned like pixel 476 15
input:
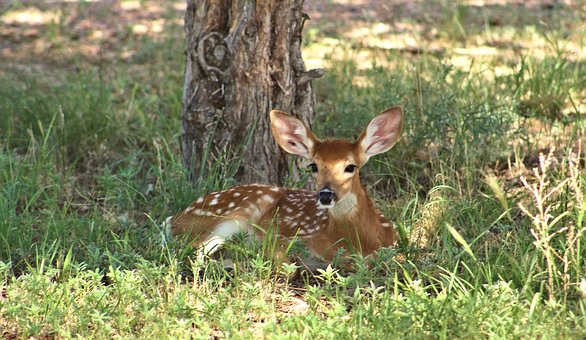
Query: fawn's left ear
pixel 382 132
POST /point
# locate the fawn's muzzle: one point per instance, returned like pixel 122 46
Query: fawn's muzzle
pixel 326 196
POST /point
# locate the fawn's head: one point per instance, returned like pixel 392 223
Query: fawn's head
pixel 336 163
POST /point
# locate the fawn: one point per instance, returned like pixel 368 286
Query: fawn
pixel 339 214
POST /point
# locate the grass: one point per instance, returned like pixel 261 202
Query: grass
pixel 486 187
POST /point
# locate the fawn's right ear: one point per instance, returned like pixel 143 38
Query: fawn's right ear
pixel 292 135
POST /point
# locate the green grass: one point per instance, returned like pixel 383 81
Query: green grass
pixel 90 165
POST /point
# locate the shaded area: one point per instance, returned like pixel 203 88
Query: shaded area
pixel 493 37
pixel 36 35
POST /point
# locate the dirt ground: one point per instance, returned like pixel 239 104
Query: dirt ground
pixel 34 34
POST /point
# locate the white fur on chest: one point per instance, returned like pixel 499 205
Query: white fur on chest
pixel 345 208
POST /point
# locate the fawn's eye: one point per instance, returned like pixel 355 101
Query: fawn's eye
pixel 312 167
pixel 350 168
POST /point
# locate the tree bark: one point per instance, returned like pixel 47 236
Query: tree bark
pixel 243 60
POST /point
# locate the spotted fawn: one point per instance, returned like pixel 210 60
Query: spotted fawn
pixel 338 214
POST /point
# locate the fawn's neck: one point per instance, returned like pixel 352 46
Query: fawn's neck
pixel 356 218
pixel 354 209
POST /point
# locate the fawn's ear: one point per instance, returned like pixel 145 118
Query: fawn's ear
pixel 382 132
pixel 291 134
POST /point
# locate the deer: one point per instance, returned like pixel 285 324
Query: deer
pixel 339 214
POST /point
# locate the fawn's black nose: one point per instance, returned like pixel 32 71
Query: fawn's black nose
pixel 326 196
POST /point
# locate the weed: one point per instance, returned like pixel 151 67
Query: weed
pixel 557 232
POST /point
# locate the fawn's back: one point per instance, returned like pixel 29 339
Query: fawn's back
pixel 338 214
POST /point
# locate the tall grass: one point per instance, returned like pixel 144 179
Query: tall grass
pixel 90 165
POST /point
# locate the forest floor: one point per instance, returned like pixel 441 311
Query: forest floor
pixel 486 186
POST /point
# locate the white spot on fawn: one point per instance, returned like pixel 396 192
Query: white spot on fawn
pixel 214 201
pixel 189 209
pixel 220 234
pixel 166 232
pixel 199 200
pixel 231 205
pixel 236 194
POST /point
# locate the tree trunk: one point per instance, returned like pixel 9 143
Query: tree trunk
pixel 243 60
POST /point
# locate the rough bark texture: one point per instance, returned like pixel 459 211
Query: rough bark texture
pixel 243 60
